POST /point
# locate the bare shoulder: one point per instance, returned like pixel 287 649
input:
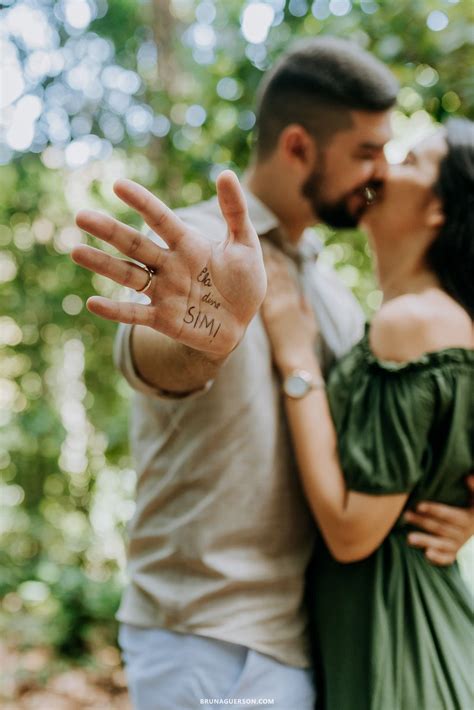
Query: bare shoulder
pixel 409 326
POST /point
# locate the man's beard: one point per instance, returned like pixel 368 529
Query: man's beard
pixel 334 214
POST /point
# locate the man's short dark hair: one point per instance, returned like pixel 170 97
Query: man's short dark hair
pixel 315 85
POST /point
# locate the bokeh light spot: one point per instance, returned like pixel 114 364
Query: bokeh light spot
pixel 451 102
pixel 195 115
pixel 72 304
pixel 298 8
pixel 257 19
pixel 320 9
pixel 339 8
pixel 426 75
pixel 437 20
pixel 161 126
pixel 77 14
pixel 228 88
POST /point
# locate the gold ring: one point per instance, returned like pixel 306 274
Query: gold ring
pixel 150 273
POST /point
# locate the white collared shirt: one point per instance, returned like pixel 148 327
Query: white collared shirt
pixel 222 534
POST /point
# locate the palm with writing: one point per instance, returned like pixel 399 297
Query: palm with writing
pixel 203 293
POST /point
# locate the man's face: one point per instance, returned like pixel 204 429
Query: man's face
pixel 352 160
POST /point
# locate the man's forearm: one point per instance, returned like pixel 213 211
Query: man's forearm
pixel 168 365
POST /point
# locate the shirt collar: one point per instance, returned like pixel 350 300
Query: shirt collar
pixel 261 217
pixel 266 225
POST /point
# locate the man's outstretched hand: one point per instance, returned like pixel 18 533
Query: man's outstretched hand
pixel 203 293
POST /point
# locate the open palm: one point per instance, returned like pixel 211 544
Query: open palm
pixel 203 293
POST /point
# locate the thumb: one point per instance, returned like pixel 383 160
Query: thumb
pixel 234 208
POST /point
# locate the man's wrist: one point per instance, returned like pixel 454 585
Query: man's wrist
pixel 205 358
pixel 169 366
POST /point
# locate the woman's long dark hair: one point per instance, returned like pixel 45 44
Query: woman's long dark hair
pixel 451 255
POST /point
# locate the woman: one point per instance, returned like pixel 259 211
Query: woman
pixel 396 425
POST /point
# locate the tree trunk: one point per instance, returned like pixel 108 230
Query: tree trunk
pixel 164 32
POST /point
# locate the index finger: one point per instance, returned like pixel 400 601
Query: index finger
pixel 444 513
pixel 156 214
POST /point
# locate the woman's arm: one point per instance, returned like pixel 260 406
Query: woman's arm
pixel 353 524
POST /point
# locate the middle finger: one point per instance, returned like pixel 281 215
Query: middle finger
pixel 127 240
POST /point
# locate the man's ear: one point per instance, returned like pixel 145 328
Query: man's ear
pixel 297 146
pixel 435 214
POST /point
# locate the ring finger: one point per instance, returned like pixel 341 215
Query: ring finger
pixel 123 272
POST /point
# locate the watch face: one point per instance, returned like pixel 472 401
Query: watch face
pixel 296 386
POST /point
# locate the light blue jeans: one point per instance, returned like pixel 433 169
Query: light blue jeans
pixel 173 671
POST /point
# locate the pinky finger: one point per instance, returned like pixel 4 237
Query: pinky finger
pixel 130 313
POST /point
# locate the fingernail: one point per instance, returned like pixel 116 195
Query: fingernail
pixel 421 507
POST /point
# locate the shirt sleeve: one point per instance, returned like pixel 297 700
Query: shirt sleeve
pixel 340 316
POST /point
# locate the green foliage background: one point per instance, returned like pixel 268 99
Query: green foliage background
pixel 66 480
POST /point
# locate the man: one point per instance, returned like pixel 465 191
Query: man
pixel 222 534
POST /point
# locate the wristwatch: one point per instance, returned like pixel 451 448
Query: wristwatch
pixel 299 382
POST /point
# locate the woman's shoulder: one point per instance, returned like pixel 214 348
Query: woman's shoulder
pixel 412 325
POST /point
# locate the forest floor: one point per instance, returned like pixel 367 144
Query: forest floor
pixel 33 680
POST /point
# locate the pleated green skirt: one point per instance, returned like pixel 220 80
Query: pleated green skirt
pixel 392 632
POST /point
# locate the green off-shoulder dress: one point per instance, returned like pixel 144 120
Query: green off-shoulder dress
pixel 394 632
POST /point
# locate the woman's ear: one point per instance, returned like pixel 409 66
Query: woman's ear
pixel 435 214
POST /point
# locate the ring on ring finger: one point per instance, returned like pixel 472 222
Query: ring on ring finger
pixel 150 273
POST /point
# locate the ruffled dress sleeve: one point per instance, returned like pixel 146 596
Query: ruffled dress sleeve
pixel 384 413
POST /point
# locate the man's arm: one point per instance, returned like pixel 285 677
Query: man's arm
pixel 169 366
pixel 202 294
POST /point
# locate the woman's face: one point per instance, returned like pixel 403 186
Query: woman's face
pixel 407 204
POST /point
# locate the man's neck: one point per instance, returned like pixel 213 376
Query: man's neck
pixel 270 190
